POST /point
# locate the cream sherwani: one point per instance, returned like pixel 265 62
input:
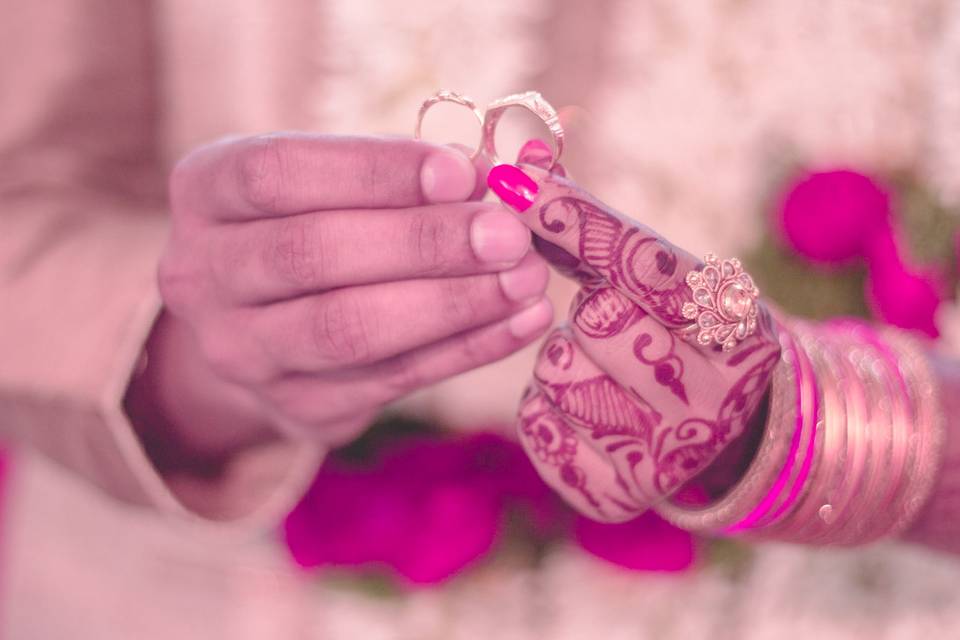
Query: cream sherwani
pixel 96 99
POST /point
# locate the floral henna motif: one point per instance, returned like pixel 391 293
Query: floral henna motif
pixel 667 369
pixel 623 256
pixel 553 442
pixel 684 451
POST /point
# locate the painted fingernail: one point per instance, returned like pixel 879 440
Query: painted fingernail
pixel 513 186
pixel 534 151
pixel 532 320
pixel 497 236
pixel 447 175
pixel 526 281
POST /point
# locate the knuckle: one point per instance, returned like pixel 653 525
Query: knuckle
pixel 340 331
pixel 372 173
pixel 474 350
pixel 260 166
pixel 655 265
pixel 427 240
pixel 462 301
pixel 294 255
pixel 401 377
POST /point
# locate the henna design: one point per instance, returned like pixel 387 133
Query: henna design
pixel 747 392
pixel 604 313
pixel 684 451
pixel 625 267
pixel 558 350
pixel 621 255
pixel 741 355
pixel 554 443
pixel 604 408
pixel 667 369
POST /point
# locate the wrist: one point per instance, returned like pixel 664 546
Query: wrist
pixel 186 417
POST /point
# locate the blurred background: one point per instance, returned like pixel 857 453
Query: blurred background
pixel 697 118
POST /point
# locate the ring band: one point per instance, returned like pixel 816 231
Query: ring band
pixel 445 95
pixel 724 307
pixel 531 101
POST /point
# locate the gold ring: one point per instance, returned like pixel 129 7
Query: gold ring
pixel 445 95
pixel 531 101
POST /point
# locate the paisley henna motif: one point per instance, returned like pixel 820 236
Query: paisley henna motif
pixel 625 257
pixel 603 407
pixel 553 442
pixel 604 313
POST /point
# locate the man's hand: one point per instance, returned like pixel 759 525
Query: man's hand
pixel 309 280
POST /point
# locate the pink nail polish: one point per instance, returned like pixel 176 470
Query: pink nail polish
pixel 534 151
pixel 513 186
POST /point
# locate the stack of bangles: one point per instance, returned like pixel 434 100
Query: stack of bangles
pixel 852 443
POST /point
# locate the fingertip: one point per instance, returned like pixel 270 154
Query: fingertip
pixel 447 175
pixel 537 153
pixel 532 321
pixel 481 166
pixel 513 186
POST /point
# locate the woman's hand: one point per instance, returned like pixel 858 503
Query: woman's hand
pixel 625 405
pixel 312 279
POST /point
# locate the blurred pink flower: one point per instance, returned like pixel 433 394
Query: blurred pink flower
pixel 827 216
pixel 905 298
pixel 898 292
pixel 646 543
pixel 429 507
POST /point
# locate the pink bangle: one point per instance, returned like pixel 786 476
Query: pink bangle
pixel 852 443
pixel 774 467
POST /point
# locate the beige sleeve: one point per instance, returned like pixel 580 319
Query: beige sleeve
pixel 81 229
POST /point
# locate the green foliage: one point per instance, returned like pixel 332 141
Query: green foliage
pixel 929 228
pixel 802 290
pixel 926 226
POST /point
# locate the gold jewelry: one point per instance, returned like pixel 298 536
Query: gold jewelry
pixel 853 466
pixel 531 101
pixel 445 95
pixel 724 307
pixel 768 476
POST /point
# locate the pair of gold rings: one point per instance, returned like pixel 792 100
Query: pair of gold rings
pixel 532 101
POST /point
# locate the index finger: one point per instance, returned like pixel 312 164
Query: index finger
pixel 590 240
pixel 291 173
